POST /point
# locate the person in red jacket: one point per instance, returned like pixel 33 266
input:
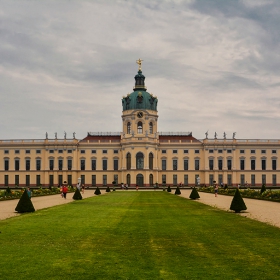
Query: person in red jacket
pixel 64 189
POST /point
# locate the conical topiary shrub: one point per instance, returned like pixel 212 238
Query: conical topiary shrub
pixel 25 204
pixel 168 189
pixel 108 189
pixel 178 191
pixel 237 203
pixel 77 195
pixel 97 191
pixel 263 189
pixel 194 194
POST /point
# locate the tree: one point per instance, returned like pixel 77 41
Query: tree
pixel 77 195
pixel 237 203
pixel 177 191
pixel 108 189
pixel 168 189
pixel 194 194
pixel 97 191
pixel 25 204
pixel 263 189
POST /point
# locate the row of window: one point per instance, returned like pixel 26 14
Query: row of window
pixel 59 151
pixel 139 128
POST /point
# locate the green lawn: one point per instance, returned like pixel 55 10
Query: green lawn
pixel 137 235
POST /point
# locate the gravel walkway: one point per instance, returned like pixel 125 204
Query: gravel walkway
pixel 264 211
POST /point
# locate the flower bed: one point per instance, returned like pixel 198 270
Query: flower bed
pixel 271 195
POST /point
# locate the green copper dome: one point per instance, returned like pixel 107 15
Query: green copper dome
pixel 139 98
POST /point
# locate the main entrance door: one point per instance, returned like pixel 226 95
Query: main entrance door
pixel 140 180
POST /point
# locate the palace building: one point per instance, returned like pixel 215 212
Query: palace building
pixel 139 155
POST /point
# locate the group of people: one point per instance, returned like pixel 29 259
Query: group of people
pixel 79 187
pixel 64 189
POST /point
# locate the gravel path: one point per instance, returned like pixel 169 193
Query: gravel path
pixel 264 211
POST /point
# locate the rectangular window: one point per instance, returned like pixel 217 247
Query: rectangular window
pixel 38 164
pixel 27 164
pixel 83 164
pixel 17 180
pixel 6 152
pixel 163 179
pixel 263 179
pixel 60 164
pixel 175 151
pixel 253 151
pixel 263 164
pixel 211 179
pixel 93 180
pixel 51 162
pixel 220 164
pixel 229 151
pixel 60 151
pixel 17 164
pixel 220 151
pixel 211 164
pixel 27 151
pixel 104 151
pixel 69 180
pixel 69 151
pixel 38 180
pixel 51 151
pixel 196 164
pixel 6 162
pixel 220 179
pixel 186 164
pixel 27 180
pixel 211 151
pixel 242 151
pixel 116 179
pixel 116 151
pixel 229 180
pixel 274 151
pixel 116 164
pixel 69 164
pixel 196 151
pixel 104 164
pixel 6 180
pixel 16 151
pixel 163 151
pixel 253 164
pixel 60 179
pixel 274 183
pixel 93 151
pixel 242 164
pixel 93 164
pixel 242 179
pixel 253 182
pixel 175 164
pixel 263 151
pixel 104 180
pixel 83 151
pixel 186 151
pixel 163 164
pixel 83 179
pixel 51 180
pixel 174 179
pixel 229 164
pixel 186 179
pixel 274 167
pixel 38 151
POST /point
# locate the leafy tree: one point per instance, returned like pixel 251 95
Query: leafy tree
pixel 25 204
pixel 97 191
pixel 263 189
pixel 77 195
pixel 177 191
pixel 168 189
pixel 194 194
pixel 237 203
pixel 108 189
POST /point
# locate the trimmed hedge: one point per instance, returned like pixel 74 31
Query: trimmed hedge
pixel 194 194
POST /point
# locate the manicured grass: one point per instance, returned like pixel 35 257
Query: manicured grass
pixel 137 235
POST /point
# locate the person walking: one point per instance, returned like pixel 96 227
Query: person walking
pixel 29 192
pixel 216 190
pixel 64 189
pixel 83 188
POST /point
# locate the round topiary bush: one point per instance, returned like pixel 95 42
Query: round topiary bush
pixel 194 194
pixel 177 191
pixel 77 195
pixel 25 204
pixel 168 189
pixel 237 203
pixel 97 191
pixel 108 189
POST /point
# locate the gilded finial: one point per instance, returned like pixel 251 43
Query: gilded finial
pixel 139 62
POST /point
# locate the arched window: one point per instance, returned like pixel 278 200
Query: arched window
pixel 140 127
pixel 139 161
pixel 128 161
pixel 151 127
pixel 151 159
pixel 128 128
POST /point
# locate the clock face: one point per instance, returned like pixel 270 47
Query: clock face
pixel 139 114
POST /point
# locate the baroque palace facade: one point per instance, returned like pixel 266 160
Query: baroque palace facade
pixel 139 155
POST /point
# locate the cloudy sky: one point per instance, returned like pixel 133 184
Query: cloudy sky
pixel 214 65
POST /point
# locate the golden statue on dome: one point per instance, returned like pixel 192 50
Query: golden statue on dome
pixel 139 62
